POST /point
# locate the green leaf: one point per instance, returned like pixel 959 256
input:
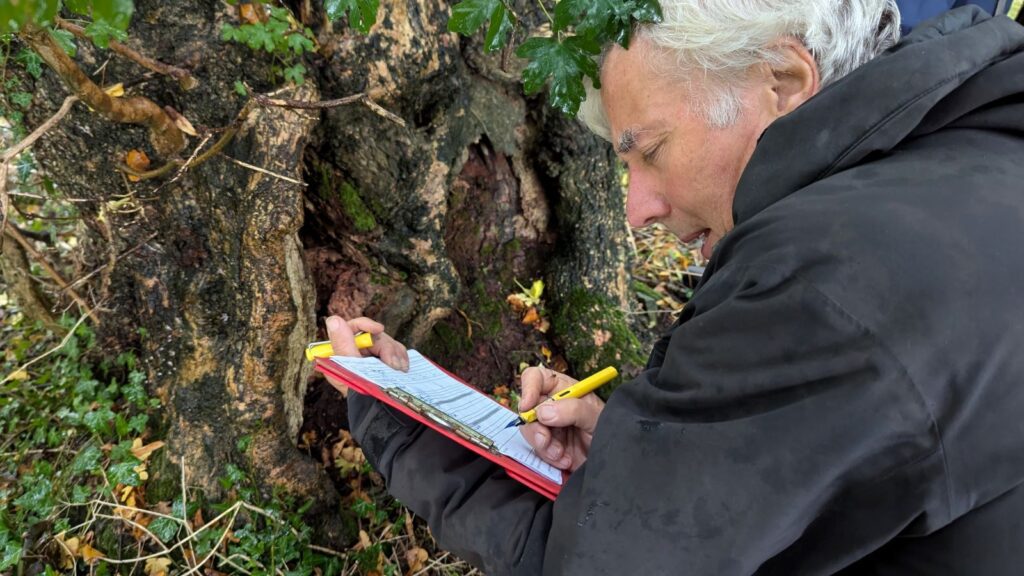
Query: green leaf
pixel 469 15
pixel 101 33
pixel 240 88
pixel 299 43
pixel 296 74
pixel 124 473
pixel 80 494
pixel 78 6
pixel 32 62
pixel 21 99
pixel 362 14
pixel 164 528
pixel 497 32
pixel 243 443
pixel 565 63
pixel 117 13
pixel 14 14
pixel 87 460
pixel 66 40
pixel 138 423
pixel 10 555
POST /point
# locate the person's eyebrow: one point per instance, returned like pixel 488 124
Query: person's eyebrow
pixel 627 140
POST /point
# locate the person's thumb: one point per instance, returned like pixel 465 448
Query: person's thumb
pixel 342 339
pixel 569 412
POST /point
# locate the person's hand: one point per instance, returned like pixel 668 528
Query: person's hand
pixel 342 334
pixel 563 430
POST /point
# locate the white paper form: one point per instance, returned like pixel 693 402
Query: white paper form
pixel 428 383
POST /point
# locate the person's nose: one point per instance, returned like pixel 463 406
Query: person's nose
pixel 644 205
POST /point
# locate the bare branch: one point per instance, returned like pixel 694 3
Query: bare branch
pixel 41 260
pixel 264 100
pixel 184 78
pixel 12 153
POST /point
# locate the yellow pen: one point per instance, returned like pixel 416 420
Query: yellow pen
pixel 577 390
pixel 324 349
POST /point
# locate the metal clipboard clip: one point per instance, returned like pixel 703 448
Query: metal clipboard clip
pixel 428 411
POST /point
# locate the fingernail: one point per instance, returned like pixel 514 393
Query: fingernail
pixel 546 412
pixel 555 450
pixel 332 323
pixel 540 439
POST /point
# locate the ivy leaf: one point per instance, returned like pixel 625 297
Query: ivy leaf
pixel 66 40
pixel 497 32
pixel 362 14
pixel 565 63
pixel 469 15
pixel 163 528
pixel 10 554
pixel 86 460
pixel 117 13
pixel 124 473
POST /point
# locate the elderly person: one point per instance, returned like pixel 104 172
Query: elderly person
pixel 845 391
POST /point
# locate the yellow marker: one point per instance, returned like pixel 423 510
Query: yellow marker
pixel 324 349
pixel 577 390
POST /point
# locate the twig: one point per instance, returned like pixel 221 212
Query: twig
pixel 184 78
pixel 67 337
pixel 264 100
pixel 38 132
pixel 219 145
pixel 50 270
pixel 136 525
pixel 120 256
pixel 323 550
pixel 265 171
pixel 20 147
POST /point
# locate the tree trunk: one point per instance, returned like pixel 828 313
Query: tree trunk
pixel 426 227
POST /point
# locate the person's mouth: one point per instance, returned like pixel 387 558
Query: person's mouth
pixel 706 248
pixel 701 238
pixel 698 235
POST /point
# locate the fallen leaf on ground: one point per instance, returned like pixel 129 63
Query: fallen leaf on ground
pixel 136 160
pixel 416 557
pixel 157 566
pixel 143 452
pixel 90 554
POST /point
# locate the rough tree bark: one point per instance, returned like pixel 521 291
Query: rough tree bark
pixel 425 226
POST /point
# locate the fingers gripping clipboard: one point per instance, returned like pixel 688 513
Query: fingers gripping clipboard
pixel 437 399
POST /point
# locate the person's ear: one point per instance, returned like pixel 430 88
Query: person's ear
pixel 795 78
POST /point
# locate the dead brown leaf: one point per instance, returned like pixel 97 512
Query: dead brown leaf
pixel 138 161
pixel 90 554
pixel 416 557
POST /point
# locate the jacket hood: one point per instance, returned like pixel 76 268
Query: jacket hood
pixel 964 69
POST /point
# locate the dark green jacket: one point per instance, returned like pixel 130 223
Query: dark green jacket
pixel 845 392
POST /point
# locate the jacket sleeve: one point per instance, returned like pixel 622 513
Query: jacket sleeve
pixel 778 436
pixel 472 507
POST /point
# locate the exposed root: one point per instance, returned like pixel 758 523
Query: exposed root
pixel 164 135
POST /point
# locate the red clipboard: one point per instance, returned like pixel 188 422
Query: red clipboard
pixel 515 469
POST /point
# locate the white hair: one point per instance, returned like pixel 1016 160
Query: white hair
pixel 722 40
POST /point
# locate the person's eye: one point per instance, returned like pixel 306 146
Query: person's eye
pixel 651 154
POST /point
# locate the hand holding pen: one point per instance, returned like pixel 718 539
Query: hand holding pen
pixel 563 430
